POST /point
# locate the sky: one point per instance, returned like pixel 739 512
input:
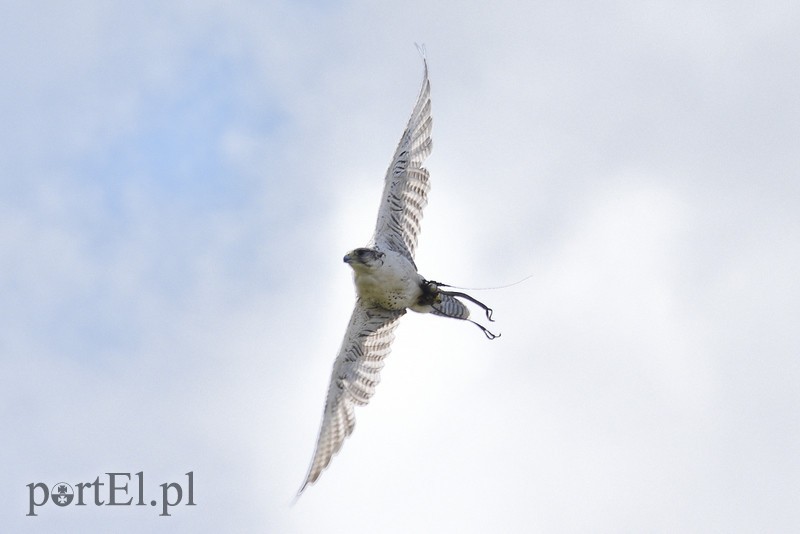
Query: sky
pixel 179 182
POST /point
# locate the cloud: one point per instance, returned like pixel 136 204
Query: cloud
pixel 179 187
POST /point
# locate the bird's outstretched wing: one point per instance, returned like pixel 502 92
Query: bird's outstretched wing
pixel 405 191
pixel 355 374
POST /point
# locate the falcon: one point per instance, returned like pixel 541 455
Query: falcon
pixel 387 284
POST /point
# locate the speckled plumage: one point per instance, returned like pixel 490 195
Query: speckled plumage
pixel 387 284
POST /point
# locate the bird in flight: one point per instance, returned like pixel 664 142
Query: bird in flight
pixel 387 284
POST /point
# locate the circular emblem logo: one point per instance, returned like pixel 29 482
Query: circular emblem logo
pixel 62 494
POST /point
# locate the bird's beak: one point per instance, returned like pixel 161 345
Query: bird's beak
pixel 347 258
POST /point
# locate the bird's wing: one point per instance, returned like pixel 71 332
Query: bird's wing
pixel 355 374
pixel 405 191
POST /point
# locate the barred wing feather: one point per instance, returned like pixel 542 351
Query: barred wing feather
pixel 355 374
pixel 405 192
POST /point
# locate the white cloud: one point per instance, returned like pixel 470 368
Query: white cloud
pixel 178 187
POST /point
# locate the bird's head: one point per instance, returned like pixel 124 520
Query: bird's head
pixel 364 258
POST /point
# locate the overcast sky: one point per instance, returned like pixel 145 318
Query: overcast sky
pixel 179 182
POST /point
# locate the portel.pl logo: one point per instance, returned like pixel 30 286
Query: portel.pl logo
pixel 112 491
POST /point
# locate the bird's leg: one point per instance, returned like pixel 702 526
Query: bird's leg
pixel 430 292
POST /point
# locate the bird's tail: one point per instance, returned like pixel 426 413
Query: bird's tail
pixel 447 304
